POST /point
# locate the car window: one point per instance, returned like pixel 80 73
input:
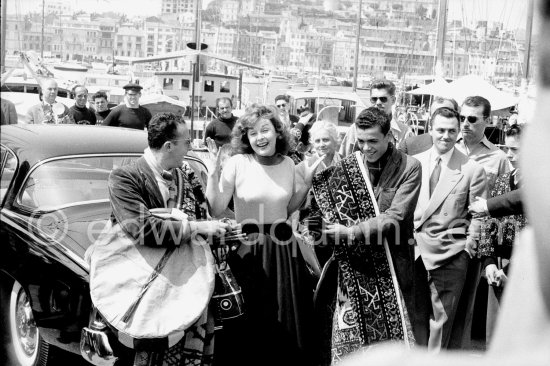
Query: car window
pixel 8 166
pixel 69 181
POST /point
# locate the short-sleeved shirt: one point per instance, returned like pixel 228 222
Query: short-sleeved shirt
pixel 493 160
pixel 261 192
pixel 122 116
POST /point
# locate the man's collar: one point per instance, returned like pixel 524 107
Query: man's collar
pixel 444 158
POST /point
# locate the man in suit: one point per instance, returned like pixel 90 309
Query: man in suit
pixel 416 144
pixel 412 146
pixel 148 183
pixel 48 110
pixel 9 114
pixel 445 233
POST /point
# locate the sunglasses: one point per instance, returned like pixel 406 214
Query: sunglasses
pixel 471 119
pixel 282 105
pixel 186 141
pixel 382 99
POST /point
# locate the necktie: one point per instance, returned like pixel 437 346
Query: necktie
pixel 172 189
pixel 434 178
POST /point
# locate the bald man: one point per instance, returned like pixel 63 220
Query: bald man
pixel 48 110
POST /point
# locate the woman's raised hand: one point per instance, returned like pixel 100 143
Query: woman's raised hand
pixel 309 171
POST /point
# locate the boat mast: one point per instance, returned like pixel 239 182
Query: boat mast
pixel 42 34
pixel 527 53
pixel 356 65
pixel 196 63
pixel 440 50
pixel 3 35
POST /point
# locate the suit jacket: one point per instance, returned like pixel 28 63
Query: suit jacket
pixel 9 114
pixel 506 204
pixel 416 144
pixel 396 193
pixel 442 223
pixel 133 191
pixel 36 113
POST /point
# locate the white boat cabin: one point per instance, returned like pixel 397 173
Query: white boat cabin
pixel 342 108
pixel 211 86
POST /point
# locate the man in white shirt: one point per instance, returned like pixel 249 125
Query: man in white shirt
pixel 445 233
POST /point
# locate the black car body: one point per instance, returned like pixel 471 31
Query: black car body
pixel 54 203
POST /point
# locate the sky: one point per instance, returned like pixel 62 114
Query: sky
pixel 512 13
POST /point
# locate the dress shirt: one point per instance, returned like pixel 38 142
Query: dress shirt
pixel 444 158
pixel 157 171
pixel 491 158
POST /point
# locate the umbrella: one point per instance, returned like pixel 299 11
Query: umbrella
pixel 439 87
pixel 470 85
pixel 160 103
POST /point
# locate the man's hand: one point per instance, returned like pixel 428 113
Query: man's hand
pixel 339 231
pixel 210 228
pixel 491 273
pixel 471 247
pixel 478 208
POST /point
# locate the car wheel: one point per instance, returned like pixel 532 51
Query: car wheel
pixel 27 346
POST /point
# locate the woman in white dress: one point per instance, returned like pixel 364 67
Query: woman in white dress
pixel 270 269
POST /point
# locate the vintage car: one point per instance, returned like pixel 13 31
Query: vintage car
pixel 54 203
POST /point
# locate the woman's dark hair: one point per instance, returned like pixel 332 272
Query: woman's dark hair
pixel 372 117
pixel 240 142
pixel 161 128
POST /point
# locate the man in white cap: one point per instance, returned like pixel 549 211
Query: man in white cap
pixel 130 114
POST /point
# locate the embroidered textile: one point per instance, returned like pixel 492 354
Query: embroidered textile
pixel 500 232
pixel 368 307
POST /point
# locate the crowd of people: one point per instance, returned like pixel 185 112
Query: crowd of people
pixel 381 236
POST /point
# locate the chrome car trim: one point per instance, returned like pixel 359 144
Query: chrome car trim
pixel 95 347
pixel 8 219
pixel 2 170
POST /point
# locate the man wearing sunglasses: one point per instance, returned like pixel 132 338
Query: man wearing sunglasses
pixel 282 102
pixel 475 113
pixel 382 96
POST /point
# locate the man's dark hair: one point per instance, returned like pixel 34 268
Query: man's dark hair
pixel 282 97
pixel 444 112
pixel 100 94
pixel 478 101
pixel 162 127
pixel 384 84
pixel 514 130
pixel 226 99
pixel 443 99
pixel 372 117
